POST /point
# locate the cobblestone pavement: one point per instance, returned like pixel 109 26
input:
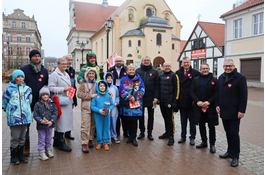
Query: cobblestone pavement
pixel 150 157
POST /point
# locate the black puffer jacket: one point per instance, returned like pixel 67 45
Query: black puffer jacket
pixel 115 74
pixel 150 77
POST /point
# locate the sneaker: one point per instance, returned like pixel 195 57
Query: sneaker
pixel 116 140
pixel 49 152
pixel 43 156
pixel 85 148
pixel 106 146
pixel 99 146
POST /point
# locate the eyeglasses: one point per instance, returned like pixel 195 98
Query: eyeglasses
pixel 63 64
pixel 228 65
pixel 205 68
pixel 118 61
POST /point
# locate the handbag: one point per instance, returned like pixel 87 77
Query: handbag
pixel 64 100
pixel 57 103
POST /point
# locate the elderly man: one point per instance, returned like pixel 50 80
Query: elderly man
pixel 71 72
pixel 150 77
pixel 202 90
pixel 119 71
pixel 168 95
pixel 186 75
pixel 36 76
pixel 231 104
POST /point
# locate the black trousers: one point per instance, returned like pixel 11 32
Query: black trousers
pixel 202 128
pixel 185 114
pixel 132 127
pixel 231 128
pixel 120 122
pixel 59 135
pixel 168 116
pixel 150 123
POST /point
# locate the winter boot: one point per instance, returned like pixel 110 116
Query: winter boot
pixel 49 152
pixel 43 156
pixel 14 159
pixel 62 146
pixel 55 142
pixel 27 148
pixel 20 155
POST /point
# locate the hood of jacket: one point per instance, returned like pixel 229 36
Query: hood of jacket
pixel 88 70
pixel 88 56
pixel 105 77
pixel 14 85
pixel 97 88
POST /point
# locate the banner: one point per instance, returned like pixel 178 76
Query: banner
pixel 111 59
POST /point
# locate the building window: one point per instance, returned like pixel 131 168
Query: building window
pixel 9 37
pixel 196 64
pixel 198 44
pixel 258 24
pixel 203 61
pixel 148 12
pixel 173 46
pixel 129 62
pixel 238 28
pixel 27 51
pixel 19 51
pixel 14 24
pixel 23 25
pixel 10 51
pixel 139 43
pixel 130 43
pixel 27 38
pixel 158 39
pixel 18 37
pixel 129 55
pixel 215 67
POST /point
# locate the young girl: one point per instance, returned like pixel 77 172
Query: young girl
pixel 16 101
pixel 102 106
pixel 108 77
pixel 45 113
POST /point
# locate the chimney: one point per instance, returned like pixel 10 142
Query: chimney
pixel 234 6
pixel 105 3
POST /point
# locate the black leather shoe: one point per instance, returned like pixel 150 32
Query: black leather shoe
pixel 171 141
pixel 202 145
pixel 163 136
pixel 129 140
pixel 225 155
pixel 234 163
pixel 181 140
pixel 141 135
pixel 150 137
pixel 64 147
pixel 212 149
pixel 192 142
pixel 69 136
pixel 134 142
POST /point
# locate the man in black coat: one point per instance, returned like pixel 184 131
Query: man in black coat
pixel 36 76
pixel 231 104
pixel 168 95
pixel 118 71
pixel 150 77
pixel 203 92
pixel 186 75
pixel 71 72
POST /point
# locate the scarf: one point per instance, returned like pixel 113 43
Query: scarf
pixel 36 69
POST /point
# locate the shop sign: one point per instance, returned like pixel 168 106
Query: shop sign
pixel 201 53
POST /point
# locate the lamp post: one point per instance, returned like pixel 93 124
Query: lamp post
pixel 82 47
pixel 8 57
pixel 108 26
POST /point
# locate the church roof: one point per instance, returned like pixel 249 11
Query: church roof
pixel 174 37
pixel 154 21
pixel 135 32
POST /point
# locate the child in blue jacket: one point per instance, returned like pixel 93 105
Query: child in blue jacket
pixel 16 101
pixel 102 116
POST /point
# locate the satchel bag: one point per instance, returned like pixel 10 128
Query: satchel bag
pixel 64 100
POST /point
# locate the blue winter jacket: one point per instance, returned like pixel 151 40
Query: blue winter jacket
pixel 16 102
pixel 98 101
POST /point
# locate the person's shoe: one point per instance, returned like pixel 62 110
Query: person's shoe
pixel 91 145
pixel 225 155
pixel 163 136
pixel 116 140
pixel 192 142
pixel 212 149
pixel 69 136
pixel 129 140
pixel 134 142
pixel 63 147
pixel 141 135
pixel 181 140
pixel 85 148
pixel 106 146
pixel 43 156
pixel 234 163
pixel 99 146
pixel 14 159
pixel 20 154
pixel 125 134
pixel 49 152
pixel 27 148
pixel 202 145
pixel 55 142
pixel 150 137
pixel 171 141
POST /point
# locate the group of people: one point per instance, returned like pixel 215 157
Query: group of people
pixel 119 98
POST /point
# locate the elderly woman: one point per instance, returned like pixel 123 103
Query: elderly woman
pixel 59 83
pixel 131 100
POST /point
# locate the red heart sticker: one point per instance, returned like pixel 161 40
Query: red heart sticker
pixel 124 73
pixel 188 74
pixel 98 96
pixel 112 71
pixel 151 74
pixel 68 78
pixel 40 79
pixel 229 85
pixel 87 92
pixel 167 77
pixel 190 77
pixel 213 83
pixel 71 74
pixel 41 75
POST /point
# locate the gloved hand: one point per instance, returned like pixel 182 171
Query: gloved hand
pixel 101 69
pixel 82 81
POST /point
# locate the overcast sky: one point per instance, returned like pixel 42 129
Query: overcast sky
pixel 52 17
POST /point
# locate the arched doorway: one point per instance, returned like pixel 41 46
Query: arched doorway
pixel 157 61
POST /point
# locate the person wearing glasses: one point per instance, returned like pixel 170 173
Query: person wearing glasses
pixel 202 90
pixel 231 104
pixel 59 83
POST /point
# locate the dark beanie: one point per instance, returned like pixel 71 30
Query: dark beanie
pixel 33 52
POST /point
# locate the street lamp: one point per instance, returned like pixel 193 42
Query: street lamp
pixel 82 47
pixel 108 26
pixel 8 57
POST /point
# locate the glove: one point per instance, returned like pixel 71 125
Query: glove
pixel 101 69
pixel 175 106
pixel 82 81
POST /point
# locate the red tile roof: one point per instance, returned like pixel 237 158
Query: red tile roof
pixel 182 45
pixel 246 5
pixel 89 16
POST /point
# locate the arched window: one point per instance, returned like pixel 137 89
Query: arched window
pixel 130 43
pixel 23 25
pixel 129 55
pixel 14 24
pixel 148 12
pixel 173 46
pixel 158 39
pixel 139 43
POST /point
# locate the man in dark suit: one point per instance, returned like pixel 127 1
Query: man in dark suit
pixel 186 75
pixel 231 104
